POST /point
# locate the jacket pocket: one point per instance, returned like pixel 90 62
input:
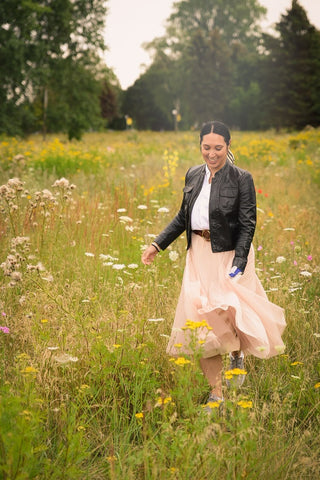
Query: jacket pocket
pixel 228 198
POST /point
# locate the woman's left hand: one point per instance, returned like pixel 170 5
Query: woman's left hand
pixel 235 273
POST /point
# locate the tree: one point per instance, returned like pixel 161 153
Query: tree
pixel 206 39
pixel 292 71
pixel 46 45
pixel 152 98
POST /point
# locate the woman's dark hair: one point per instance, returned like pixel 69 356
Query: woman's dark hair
pixel 215 127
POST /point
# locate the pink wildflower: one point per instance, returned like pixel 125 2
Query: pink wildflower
pixel 309 257
pixel 259 248
pixel 5 329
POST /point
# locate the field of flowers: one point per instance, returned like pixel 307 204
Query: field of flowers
pixel 86 388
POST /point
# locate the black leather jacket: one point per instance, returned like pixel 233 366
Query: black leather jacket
pixel 232 211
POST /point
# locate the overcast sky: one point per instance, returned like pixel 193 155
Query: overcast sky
pixel 130 23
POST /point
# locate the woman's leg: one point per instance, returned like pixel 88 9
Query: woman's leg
pixel 212 370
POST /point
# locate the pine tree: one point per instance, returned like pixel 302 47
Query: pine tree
pixel 292 72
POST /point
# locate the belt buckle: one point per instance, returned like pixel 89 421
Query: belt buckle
pixel 206 235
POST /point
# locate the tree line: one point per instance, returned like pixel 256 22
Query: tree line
pixel 214 61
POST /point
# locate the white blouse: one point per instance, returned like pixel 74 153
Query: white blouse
pixel 200 211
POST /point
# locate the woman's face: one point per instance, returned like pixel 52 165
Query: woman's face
pixel 214 151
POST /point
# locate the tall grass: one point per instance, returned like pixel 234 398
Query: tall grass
pixel 86 389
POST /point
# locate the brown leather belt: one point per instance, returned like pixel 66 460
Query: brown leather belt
pixel 203 233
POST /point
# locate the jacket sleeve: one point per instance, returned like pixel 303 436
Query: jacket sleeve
pixel 175 228
pixel 247 219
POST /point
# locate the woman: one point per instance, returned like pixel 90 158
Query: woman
pixel 222 305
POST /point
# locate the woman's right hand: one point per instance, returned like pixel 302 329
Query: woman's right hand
pixel 149 255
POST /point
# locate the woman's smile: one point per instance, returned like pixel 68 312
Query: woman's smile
pixel 214 151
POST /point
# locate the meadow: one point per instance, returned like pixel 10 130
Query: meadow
pixel 86 388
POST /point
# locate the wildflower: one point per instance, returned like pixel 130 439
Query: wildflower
pixel 81 428
pixel 317 335
pixel 22 356
pixel 245 403
pixel 52 349
pixel 44 320
pixel 163 401
pixel 89 254
pixel 296 363
pixel 118 266
pixel 139 415
pixel 117 345
pixel 5 329
pixel 65 358
pixel 163 210
pixel 84 387
pixel 191 325
pixel 259 248
pixel 181 361
pixel 125 219
pixel 280 348
pixel 142 207
pixel 261 348
pixel 235 371
pixel 48 278
pixel 177 345
pixel 317 385
pixel 155 320
pixel 16 276
pixel 29 371
pixel 212 404
pixel 309 257
pixel 173 255
pixel 133 265
pixel 280 259
pixel 305 273
pixel 121 210
pixel 289 229
pixel 112 458
pixel 108 257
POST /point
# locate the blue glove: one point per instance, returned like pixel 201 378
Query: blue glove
pixel 235 272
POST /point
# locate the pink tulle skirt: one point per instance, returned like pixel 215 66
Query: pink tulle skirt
pixel 218 315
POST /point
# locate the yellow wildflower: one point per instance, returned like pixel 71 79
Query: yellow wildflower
pixel 139 415
pixel 112 458
pixel 192 325
pixel 163 401
pixel 181 361
pixel 212 405
pixel 29 370
pixel 296 363
pixel 317 385
pixel 245 403
pixel 236 371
